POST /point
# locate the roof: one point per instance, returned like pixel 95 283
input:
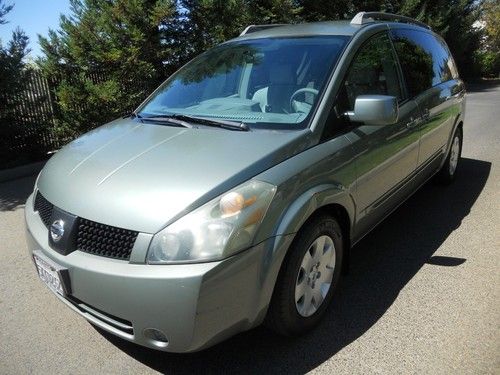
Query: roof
pixel 346 28
pixel 306 29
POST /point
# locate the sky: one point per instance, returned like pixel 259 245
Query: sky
pixel 34 17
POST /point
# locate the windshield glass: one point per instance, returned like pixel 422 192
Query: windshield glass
pixel 271 83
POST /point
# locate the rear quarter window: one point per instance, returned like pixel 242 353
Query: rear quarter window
pixel 425 59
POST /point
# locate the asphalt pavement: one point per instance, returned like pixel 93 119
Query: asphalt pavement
pixel 422 295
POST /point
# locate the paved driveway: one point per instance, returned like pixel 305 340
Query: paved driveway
pixel 423 294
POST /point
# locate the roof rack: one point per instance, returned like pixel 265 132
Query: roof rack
pixel 366 17
pixel 255 28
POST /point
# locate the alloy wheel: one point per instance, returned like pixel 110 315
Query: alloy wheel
pixel 315 275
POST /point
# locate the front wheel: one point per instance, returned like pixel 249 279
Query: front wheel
pixel 447 173
pixel 308 278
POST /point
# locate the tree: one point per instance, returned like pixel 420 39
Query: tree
pixel 4 10
pixel 489 53
pixel 314 10
pixel 491 18
pixel 208 22
pixel 11 59
pixel 12 70
pixel 12 64
pixel 274 11
pixel 106 57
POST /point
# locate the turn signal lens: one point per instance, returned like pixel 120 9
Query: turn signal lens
pixel 231 204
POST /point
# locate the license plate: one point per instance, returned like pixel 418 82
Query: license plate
pixel 50 273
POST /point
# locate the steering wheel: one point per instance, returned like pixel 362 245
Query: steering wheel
pixel 300 91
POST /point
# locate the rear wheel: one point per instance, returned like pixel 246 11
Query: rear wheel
pixel 447 173
pixel 308 278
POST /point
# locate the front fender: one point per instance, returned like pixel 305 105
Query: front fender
pixel 312 200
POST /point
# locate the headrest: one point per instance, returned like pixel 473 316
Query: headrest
pixel 281 75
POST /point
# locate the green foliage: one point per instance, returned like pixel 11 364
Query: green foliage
pixel 106 57
pixel 11 69
pixel 4 9
pixel 488 56
pixel 314 10
pixel 11 60
pixel 491 19
pixel 274 11
pixel 16 125
pixel 488 63
pixel 208 22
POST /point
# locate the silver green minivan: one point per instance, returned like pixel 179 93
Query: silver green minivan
pixel 233 195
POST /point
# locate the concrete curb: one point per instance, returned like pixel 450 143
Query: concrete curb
pixel 22 171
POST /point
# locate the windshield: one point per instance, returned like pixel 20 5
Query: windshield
pixel 271 83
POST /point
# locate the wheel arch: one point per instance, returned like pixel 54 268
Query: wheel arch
pixel 345 220
pixel 334 199
pixel 340 213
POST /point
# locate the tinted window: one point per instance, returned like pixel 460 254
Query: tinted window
pixel 373 71
pixel 425 60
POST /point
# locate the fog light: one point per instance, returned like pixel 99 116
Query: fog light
pixel 156 337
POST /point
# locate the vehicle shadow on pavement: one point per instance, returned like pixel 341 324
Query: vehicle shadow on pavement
pixel 381 265
pixel 13 194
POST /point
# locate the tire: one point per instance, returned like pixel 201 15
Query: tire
pixel 290 314
pixel 448 171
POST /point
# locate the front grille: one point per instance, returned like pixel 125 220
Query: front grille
pixel 91 237
pixel 104 240
pixel 44 208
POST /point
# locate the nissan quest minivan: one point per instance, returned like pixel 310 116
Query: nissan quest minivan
pixel 233 195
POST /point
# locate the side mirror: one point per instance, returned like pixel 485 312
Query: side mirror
pixel 375 110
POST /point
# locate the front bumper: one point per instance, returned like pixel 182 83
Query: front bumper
pixel 194 305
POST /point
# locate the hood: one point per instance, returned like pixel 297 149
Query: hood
pixel 141 176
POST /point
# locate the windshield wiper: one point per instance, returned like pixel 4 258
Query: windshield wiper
pixel 166 119
pixel 186 120
pixel 225 124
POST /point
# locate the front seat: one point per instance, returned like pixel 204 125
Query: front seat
pixel 276 97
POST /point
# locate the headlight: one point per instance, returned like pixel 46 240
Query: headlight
pixel 216 230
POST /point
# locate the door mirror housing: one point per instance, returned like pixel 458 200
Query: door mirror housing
pixel 375 110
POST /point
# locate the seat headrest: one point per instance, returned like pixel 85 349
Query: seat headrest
pixel 281 75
